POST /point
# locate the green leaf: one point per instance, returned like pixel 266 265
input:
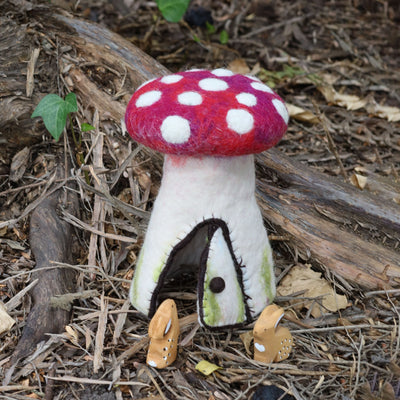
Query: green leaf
pixel 272 78
pixel 224 37
pixel 70 103
pixel 54 111
pixel 173 10
pixel 86 127
pixel 210 28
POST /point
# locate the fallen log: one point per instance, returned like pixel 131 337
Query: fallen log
pixel 320 212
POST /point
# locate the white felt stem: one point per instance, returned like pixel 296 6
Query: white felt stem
pixel 197 188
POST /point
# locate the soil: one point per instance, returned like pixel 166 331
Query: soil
pixel 338 62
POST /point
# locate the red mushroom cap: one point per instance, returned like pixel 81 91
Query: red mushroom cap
pixel 201 112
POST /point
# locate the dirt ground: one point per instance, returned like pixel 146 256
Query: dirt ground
pixel 337 65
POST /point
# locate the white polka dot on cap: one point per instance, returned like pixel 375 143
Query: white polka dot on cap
pixel 171 79
pixel 247 99
pixel 262 87
pixel 190 98
pixel 240 121
pixel 175 129
pixel 222 72
pixel 149 98
pixel 213 84
pixel 282 110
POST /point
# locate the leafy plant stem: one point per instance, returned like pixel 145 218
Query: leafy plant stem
pixel 77 142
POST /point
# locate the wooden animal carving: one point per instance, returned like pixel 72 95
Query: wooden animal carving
pixel 163 333
pixel 272 343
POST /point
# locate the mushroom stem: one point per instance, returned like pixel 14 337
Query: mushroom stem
pixel 197 193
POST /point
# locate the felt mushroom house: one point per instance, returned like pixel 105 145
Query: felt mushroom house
pixel 209 124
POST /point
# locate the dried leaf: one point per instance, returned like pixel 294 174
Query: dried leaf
pixel 247 338
pixel 352 102
pixel 328 78
pixel 72 334
pixel 349 101
pixel 13 244
pixel 344 322
pixel 359 181
pixel 392 114
pixel 6 322
pixel 386 187
pixel 394 369
pixel 302 279
pixel 387 392
pixel 239 66
pixel 25 382
pixel 33 396
pixel 206 368
pixel 300 114
pixel 19 164
pixel 364 392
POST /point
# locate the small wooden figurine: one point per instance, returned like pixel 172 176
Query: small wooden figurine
pixel 163 333
pixel 272 343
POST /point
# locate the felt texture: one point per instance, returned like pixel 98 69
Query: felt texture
pixel 227 306
pixel 220 113
pixel 195 190
pixel 209 123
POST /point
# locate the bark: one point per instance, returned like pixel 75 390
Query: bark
pixel 321 213
pixel 51 240
pixel 16 128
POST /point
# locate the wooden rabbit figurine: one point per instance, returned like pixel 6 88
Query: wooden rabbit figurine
pixel 271 343
pixel 163 333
